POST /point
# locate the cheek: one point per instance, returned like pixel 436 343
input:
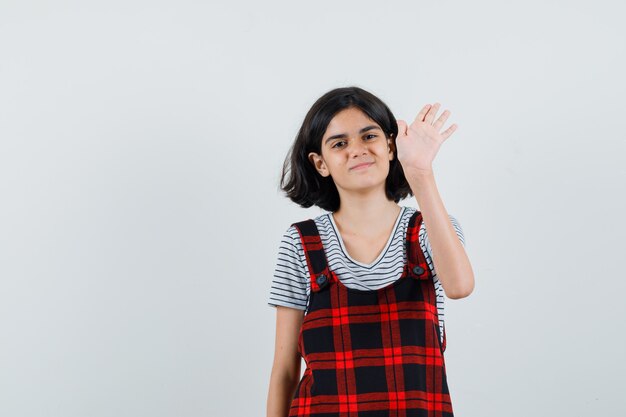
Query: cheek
pixel 385 150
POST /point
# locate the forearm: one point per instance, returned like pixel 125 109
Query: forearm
pixel 281 391
pixel 451 262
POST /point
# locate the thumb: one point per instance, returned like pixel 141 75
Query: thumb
pixel 402 127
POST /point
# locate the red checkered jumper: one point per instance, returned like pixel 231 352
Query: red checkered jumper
pixel 374 353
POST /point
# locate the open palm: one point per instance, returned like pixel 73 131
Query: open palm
pixel 418 143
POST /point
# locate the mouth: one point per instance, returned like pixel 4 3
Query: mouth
pixel 362 166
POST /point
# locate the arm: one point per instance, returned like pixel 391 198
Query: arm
pixel 286 367
pixel 451 261
pixel 417 146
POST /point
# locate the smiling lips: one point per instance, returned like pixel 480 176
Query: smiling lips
pixel 363 165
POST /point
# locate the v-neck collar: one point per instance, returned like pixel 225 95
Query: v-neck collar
pixel 381 254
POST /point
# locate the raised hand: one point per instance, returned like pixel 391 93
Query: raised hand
pixel 418 143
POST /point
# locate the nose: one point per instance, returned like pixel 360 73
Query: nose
pixel 357 147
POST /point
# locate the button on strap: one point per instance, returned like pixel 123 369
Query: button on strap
pixel 321 280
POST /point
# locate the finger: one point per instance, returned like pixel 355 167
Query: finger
pixel 421 114
pixel 431 113
pixel 402 127
pixel 441 120
pixel 446 133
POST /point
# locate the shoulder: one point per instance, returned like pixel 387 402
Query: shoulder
pixel 292 235
pixel 455 223
pixel 323 226
pixel 290 249
pixel 408 212
pixel 291 259
pixel 288 244
pixel 289 286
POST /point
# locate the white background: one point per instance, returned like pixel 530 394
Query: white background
pixel 141 144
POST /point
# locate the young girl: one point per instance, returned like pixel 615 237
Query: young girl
pixel 355 288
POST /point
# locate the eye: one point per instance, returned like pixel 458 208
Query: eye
pixel 373 136
pixel 337 143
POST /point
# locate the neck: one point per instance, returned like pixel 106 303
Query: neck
pixel 365 216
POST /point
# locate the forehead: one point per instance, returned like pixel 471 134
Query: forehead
pixel 347 121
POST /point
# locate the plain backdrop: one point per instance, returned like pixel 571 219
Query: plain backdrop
pixel 141 144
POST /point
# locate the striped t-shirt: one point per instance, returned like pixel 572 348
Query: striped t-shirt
pixel 290 286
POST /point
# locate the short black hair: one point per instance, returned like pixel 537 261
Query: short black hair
pixel 300 180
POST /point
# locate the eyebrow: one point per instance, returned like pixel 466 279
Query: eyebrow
pixel 344 135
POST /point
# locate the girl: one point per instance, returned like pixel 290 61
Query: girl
pixel 355 288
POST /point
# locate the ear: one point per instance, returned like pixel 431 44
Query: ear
pixel 318 163
pixel 391 146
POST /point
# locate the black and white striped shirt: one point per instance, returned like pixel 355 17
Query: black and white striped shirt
pixel 291 283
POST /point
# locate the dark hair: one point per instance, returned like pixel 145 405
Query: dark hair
pixel 304 185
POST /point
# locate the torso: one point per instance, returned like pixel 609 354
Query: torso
pixel 365 247
pixel 365 250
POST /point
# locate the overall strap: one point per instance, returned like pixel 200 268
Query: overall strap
pixel 418 267
pixel 416 261
pixel 320 274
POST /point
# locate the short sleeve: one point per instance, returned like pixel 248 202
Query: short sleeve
pixel 289 286
pixel 425 243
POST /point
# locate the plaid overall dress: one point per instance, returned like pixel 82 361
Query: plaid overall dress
pixel 374 353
